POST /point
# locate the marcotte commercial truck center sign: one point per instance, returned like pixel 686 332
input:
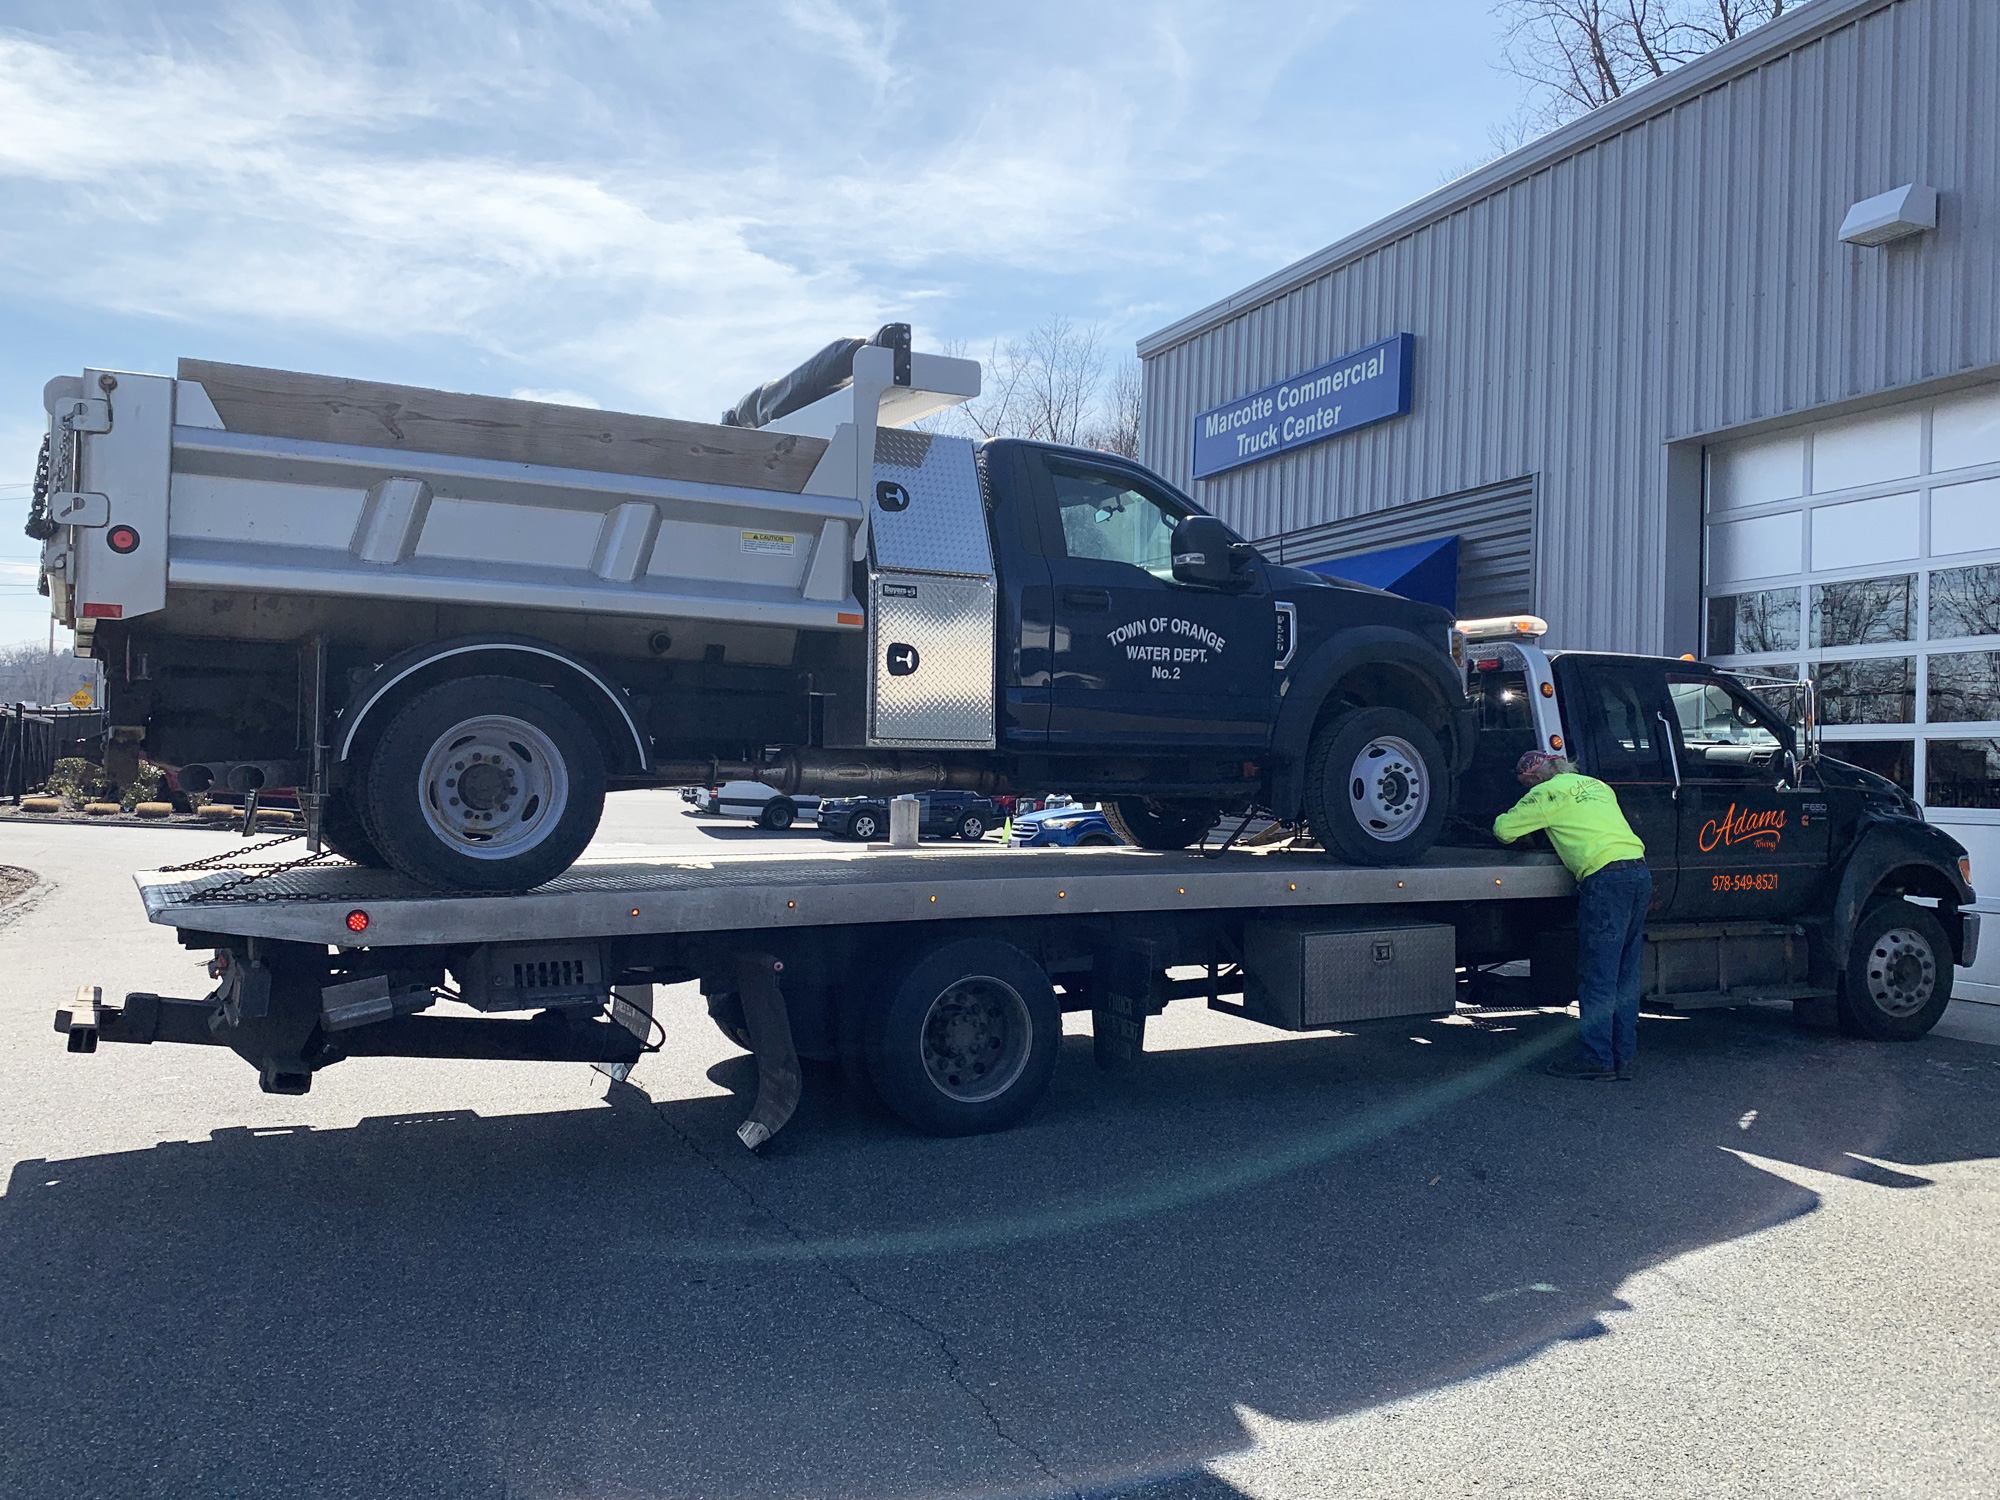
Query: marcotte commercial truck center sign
pixel 1343 394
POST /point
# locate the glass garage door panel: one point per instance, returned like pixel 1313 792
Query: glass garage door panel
pixel 1867 549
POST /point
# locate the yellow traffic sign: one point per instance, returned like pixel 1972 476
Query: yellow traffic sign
pixel 82 698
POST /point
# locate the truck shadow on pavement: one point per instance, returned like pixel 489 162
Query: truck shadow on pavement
pixel 618 1301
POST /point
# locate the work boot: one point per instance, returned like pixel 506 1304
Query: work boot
pixel 1624 1071
pixel 1583 1067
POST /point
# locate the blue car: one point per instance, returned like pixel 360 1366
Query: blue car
pixel 1062 828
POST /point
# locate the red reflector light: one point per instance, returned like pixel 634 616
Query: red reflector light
pixel 122 539
pixel 104 611
pixel 357 920
pixel 1490 664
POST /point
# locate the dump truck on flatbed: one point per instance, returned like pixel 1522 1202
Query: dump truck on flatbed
pixel 454 622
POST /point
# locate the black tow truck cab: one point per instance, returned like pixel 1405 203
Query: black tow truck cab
pixel 1768 858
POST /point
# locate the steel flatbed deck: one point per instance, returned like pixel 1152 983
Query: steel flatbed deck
pixel 943 971
pixel 614 897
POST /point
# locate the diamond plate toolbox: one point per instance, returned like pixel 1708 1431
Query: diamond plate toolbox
pixel 1327 973
pixel 933 678
pixel 932 601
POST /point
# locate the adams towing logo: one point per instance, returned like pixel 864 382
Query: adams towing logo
pixel 1189 644
pixel 1761 830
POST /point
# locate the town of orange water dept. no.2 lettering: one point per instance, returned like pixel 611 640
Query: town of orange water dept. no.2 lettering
pixel 1189 644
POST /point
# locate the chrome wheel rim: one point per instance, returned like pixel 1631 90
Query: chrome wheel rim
pixel 972 828
pixel 975 1039
pixel 493 787
pixel 864 826
pixel 1387 788
pixel 1902 973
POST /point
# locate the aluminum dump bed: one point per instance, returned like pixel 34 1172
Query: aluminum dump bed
pixel 625 896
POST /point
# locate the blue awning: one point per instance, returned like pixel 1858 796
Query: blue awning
pixel 1425 571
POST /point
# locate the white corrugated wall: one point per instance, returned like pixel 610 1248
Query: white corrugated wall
pixel 1671 269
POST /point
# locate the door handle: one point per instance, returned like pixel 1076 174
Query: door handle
pixel 1087 598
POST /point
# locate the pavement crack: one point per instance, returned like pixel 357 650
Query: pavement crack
pixel 952 1364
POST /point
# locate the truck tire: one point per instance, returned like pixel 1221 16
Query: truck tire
pixel 343 830
pixel 1159 825
pixel 972 828
pixel 1899 974
pixel 777 815
pixel 1377 787
pixel 967 1040
pixel 538 793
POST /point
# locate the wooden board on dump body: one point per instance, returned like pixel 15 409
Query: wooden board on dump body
pixel 329 409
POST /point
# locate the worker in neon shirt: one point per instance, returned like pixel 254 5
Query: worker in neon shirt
pixel 1613 888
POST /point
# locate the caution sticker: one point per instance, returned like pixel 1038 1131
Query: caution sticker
pixel 771 543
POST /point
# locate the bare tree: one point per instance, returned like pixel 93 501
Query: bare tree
pixel 31 673
pixel 1117 430
pixel 1043 385
pixel 1579 54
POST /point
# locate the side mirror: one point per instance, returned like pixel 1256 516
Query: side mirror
pixel 1206 554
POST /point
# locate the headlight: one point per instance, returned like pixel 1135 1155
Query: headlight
pixel 1061 822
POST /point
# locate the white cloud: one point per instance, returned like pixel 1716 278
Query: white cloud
pixel 860 38
pixel 599 195
pixel 556 397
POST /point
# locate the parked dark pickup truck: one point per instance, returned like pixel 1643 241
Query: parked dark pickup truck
pixel 940 815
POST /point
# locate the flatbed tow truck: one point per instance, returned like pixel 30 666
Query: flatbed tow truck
pixel 1780 875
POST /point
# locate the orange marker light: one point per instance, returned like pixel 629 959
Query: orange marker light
pixel 791 906
pixel 635 911
pixel 1555 742
pixel 357 920
pixel 1548 690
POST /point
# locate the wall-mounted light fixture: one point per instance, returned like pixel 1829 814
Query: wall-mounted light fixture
pixel 1909 209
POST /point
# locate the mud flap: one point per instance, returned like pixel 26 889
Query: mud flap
pixel 631 1008
pixel 770 1026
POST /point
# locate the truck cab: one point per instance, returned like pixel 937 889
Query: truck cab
pixel 1136 626
pixel 1744 821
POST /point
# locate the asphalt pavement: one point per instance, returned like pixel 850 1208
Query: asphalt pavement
pixel 1396 1263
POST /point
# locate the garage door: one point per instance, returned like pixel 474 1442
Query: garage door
pixel 1867 548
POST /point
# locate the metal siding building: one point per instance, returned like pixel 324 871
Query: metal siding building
pixel 1659 401
pixel 1593 308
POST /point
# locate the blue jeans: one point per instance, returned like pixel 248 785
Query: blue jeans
pixel 1610 933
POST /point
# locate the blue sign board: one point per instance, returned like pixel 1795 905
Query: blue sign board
pixel 1339 396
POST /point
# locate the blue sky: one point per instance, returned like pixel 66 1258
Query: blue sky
pixel 650 206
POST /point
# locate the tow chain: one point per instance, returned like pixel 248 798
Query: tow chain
pixel 260 870
pixel 41 526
